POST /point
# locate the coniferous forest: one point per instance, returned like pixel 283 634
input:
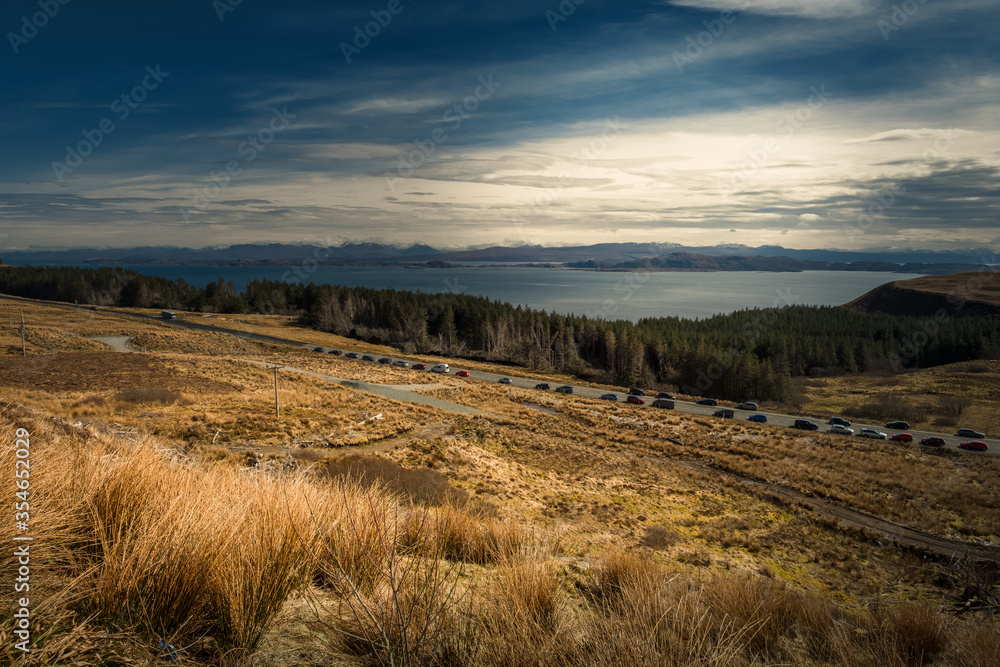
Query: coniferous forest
pixel 750 354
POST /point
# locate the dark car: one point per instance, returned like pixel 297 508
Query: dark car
pixel 902 437
pixel 335 352
pixel 635 391
pixel 419 367
pixel 977 445
pixel 636 400
pixel 664 394
pixel 663 403
pixel 565 389
pixel 749 405
pixel 725 413
pixel 385 360
pixel 505 381
pixel 758 418
pixel 368 357
pixel 839 421
pixel 970 433
pixel 609 397
pixel 933 442
pixel 544 386
pixel 899 426
pixel 708 401
pixel 351 355
pixel 317 349
pixel 805 425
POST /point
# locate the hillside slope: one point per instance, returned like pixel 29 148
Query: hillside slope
pixel 973 293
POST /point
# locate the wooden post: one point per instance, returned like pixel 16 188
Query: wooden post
pixel 277 413
pixel 23 351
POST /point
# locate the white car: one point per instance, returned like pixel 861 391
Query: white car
pixel 841 430
pixel 872 433
pixel 440 368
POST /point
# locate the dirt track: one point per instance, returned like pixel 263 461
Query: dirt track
pixel 829 509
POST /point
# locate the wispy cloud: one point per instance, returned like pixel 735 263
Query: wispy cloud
pixel 812 9
pixel 909 135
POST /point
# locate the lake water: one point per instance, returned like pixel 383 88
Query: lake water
pixel 608 295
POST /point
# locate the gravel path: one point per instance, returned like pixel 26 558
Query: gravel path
pixel 116 343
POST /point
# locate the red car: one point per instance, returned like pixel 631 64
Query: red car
pixel 419 367
pixel 462 374
pixel 977 445
pixel 933 442
pixel 636 400
pixel 902 437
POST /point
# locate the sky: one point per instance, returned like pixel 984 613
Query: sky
pixel 804 123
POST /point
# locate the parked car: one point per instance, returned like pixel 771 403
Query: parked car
pixel 565 389
pixel 166 314
pixel 419 367
pixel 902 437
pixel 970 433
pixel 400 363
pixel 544 386
pixel 368 357
pixel 725 413
pixel 839 421
pixel 872 433
pixel 805 425
pixel 385 360
pixel 664 394
pixel 635 391
pixel 440 368
pixel 933 441
pixel 761 418
pixel 663 403
pixel 708 401
pixel 317 349
pixel 635 400
pixel 351 355
pixel 977 445
pixel 462 374
pixel 747 406
pixel 899 426
pixel 609 397
pixel 505 381
pixel 840 429
pixel 335 352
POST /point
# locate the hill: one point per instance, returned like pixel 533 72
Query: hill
pixel 170 504
pixel 957 294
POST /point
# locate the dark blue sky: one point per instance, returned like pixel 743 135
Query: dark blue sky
pixel 830 123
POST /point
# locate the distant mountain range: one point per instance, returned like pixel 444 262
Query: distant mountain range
pixel 604 256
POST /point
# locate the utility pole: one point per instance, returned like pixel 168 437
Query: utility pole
pixel 277 413
pixel 23 351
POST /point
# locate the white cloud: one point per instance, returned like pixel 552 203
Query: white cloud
pixel 904 134
pixel 396 105
pixel 813 9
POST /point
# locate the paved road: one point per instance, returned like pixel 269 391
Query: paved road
pixel 773 418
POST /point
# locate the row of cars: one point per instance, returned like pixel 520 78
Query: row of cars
pixel 636 396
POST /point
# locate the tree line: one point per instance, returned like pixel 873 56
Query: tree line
pixel 752 354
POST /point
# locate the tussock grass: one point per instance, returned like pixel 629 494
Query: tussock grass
pixel 147 395
pixel 459 534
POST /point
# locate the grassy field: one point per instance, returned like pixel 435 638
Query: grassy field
pixel 170 504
